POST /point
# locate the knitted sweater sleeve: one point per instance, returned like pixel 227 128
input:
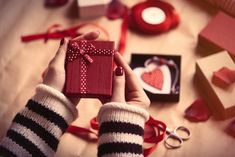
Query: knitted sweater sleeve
pixel 121 130
pixel 36 130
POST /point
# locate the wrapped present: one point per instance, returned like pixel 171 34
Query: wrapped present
pixel 89 69
pixel 92 8
pixel 219 34
pixel 220 100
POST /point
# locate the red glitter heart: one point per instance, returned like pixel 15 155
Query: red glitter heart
pixel 154 78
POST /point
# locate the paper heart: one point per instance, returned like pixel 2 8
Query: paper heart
pixel 141 73
pixel 223 77
pixel 198 111
pixel 153 78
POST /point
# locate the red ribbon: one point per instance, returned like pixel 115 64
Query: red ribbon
pixel 135 20
pixel 154 132
pixel 138 22
pixel 54 33
pixel 82 48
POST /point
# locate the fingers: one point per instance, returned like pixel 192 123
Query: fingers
pixel 134 91
pixel 118 85
pixel 131 79
pixel 88 36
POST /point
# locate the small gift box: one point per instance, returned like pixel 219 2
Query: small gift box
pixel 219 34
pixel 220 99
pixel 89 69
pixel 159 75
pixel 92 8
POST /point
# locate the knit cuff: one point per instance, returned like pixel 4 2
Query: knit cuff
pixel 121 130
pixel 56 101
pixel 121 112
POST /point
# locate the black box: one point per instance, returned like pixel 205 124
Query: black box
pixel 159 75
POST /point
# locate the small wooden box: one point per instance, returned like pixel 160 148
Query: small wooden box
pixel 92 8
pixel 221 101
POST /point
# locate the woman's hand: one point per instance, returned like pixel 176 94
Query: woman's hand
pixel 126 87
pixel 55 75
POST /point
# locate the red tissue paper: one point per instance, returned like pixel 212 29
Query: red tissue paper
pixel 198 111
pixel 89 69
pixel 116 9
pixel 55 3
pixel 223 77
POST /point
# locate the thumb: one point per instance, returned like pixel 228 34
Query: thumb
pixel 59 58
pixel 118 85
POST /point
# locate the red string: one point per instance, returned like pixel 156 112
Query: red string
pixel 123 36
pixel 54 33
pixel 154 132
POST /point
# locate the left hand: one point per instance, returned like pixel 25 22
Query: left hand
pixel 55 75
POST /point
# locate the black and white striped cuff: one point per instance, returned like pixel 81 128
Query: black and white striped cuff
pixel 121 112
pixel 121 130
pixel 39 125
pixel 55 101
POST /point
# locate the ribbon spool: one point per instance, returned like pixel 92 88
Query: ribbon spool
pixel 150 17
pixel 153 17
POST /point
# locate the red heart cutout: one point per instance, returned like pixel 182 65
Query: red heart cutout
pixel 198 111
pixel 154 78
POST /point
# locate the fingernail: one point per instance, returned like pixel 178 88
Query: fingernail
pixel 119 71
pixel 62 41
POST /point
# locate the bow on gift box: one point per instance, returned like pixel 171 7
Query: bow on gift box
pixel 82 48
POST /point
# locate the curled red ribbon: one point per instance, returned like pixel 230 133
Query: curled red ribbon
pixel 54 32
pixel 154 132
pixel 136 21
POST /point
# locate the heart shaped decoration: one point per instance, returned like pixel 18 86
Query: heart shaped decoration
pixel 154 78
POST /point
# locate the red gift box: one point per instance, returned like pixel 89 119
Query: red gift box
pixel 219 34
pixel 89 69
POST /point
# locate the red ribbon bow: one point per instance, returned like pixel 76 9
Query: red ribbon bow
pixel 82 48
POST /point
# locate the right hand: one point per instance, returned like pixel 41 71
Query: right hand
pixel 126 87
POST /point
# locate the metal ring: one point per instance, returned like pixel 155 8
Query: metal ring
pixel 171 146
pixel 185 130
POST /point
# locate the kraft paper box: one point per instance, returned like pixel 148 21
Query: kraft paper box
pixel 159 75
pixel 220 100
pixel 219 34
pixel 89 69
pixel 92 8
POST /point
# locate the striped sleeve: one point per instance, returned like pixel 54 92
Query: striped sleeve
pixel 121 130
pixel 35 131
